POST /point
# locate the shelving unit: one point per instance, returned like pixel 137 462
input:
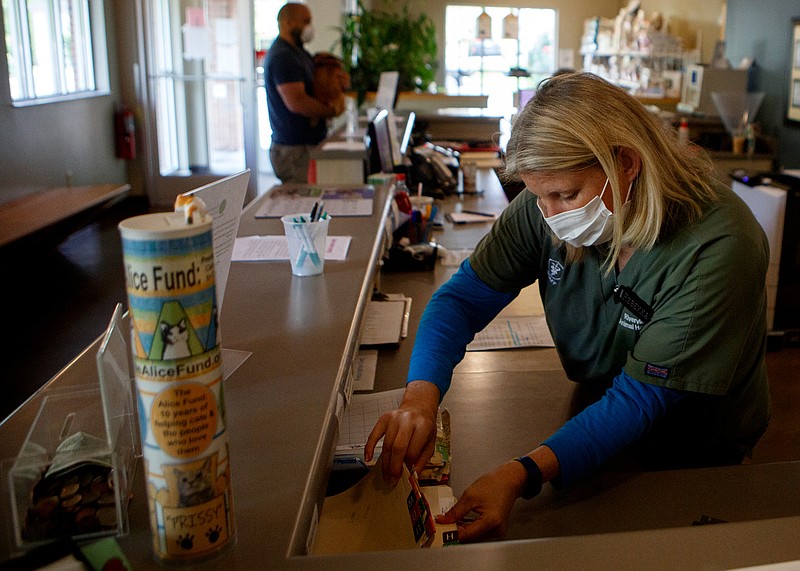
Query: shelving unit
pixel 630 52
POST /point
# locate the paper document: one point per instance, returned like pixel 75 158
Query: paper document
pixel 366 365
pixel 275 248
pixel 360 417
pixel 440 498
pixel 470 218
pixel 513 332
pixel 349 145
pixel 386 321
pixel 482 159
pixel 224 199
pixel 453 258
pixel 298 198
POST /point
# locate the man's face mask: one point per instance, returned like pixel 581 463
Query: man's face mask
pixel 307 34
pixel 303 35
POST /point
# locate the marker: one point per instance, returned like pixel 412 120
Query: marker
pixel 306 247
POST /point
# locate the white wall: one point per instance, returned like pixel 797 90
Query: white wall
pixel 327 17
pixel 40 144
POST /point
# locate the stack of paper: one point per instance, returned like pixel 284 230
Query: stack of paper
pixel 513 332
pixel 297 198
pixel 275 248
pixel 482 159
pixel 360 416
pixel 470 217
pixel 386 321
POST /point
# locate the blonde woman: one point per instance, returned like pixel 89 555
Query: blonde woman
pixel 652 278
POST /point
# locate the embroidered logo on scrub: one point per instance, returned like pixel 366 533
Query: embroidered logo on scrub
pixel 555 269
pixel 656 371
pixel 628 321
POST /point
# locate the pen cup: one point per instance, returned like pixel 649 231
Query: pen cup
pixel 307 243
pixel 422 203
pixel 469 172
pixel 420 223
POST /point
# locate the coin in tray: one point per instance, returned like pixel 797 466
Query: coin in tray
pixel 75 502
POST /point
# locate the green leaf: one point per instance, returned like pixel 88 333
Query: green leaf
pixel 377 40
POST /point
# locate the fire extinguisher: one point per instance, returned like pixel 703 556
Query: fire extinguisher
pixel 125 132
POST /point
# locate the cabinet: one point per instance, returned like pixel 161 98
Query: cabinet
pixel 774 199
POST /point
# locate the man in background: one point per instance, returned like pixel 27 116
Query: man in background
pixel 296 116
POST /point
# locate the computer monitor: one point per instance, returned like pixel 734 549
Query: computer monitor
pixel 386 96
pixel 380 144
pixel 523 96
pixel 406 140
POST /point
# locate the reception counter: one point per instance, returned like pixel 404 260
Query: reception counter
pixel 283 401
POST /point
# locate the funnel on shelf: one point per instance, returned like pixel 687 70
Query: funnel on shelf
pixel 737 108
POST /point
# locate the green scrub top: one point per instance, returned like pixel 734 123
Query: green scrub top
pixel 705 284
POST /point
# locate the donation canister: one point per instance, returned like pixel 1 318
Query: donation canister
pixel 169 275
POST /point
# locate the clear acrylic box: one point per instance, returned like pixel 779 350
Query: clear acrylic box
pixel 73 476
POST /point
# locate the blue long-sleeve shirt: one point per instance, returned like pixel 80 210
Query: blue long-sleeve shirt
pixel 465 305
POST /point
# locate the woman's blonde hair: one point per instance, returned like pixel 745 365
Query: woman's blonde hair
pixel 578 121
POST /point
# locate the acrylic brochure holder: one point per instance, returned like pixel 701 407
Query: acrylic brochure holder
pixel 74 474
pixel 98 425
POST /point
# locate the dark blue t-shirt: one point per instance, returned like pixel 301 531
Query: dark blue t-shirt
pixel 288 64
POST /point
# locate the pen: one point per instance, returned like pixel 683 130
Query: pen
pixel 476 213
pixel 314 211
pixel 306 247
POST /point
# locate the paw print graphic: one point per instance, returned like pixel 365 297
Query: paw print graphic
pixel 213 534
pixel 186 541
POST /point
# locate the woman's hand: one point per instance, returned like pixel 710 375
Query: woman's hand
pixel 491 497
pixel 409 432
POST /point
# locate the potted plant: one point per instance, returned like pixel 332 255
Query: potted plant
pixel 381 39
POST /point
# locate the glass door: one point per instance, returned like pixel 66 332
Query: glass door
pixel 265 30
pixel 200 93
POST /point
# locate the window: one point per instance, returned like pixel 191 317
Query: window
pixel 266 30
pixel 50 47
pixel 197 82
pixel 494 60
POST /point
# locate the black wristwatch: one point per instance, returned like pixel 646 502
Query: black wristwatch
pixel 534 484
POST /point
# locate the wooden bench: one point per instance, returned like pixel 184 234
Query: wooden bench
pixel 29 214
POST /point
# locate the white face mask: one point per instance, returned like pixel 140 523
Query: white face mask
pixel 307 34
pixel 589 225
